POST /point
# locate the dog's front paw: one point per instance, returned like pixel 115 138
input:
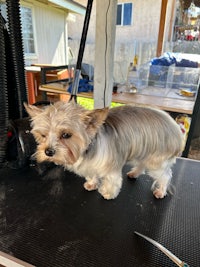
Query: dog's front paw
pixel 159 192
pixel 90 186
pixel 108 194
pixel 159 189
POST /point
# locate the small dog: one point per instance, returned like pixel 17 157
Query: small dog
pixel 97 144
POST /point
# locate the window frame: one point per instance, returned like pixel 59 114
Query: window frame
pixel 34 54
pixel 122 14
pixel 25 5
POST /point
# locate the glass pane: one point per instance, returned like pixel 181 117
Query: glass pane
pixel 31 47
pixel 119 14
pixel 127 14
pixel 27 29
pixel 3 10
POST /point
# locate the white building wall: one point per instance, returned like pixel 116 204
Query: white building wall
pixel 145 22
pixel 146 18
pixel 140 38
pixel 51 34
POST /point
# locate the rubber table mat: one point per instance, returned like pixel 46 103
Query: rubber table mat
pixel 52 221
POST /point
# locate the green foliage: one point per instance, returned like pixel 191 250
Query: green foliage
pixel 88 103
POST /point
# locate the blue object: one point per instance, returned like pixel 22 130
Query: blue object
pixel 169 59
pixel 158 71
pixel 165 60
pixel 186 63
pixel 84 86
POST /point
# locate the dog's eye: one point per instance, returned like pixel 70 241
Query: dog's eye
pixel 66 135
pixel 43 135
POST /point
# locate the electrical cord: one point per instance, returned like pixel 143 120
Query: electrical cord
pixel 106 48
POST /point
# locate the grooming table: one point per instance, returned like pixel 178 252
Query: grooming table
pixel 52 221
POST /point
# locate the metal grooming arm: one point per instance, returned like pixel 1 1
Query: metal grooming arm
pixel 81 51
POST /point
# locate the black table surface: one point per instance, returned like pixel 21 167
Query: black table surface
pixel 50 220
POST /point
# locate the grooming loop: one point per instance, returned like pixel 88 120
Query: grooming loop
pixel 81 51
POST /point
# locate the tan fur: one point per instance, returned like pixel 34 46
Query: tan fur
pixel 97 144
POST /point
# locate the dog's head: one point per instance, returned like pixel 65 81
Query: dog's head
pixel 64 131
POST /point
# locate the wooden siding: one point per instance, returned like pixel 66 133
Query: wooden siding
pixel 51 35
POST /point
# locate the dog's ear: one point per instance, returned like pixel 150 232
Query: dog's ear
pixel 94 119
pixel 32 110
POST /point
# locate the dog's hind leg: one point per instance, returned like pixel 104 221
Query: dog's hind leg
pixel 136 171
pixel 162 178
pixel 110 185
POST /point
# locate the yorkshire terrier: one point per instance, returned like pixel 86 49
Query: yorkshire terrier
pixel 96 144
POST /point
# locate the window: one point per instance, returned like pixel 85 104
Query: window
pixel 27 30
pixel 124 14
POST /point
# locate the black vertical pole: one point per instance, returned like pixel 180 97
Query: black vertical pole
pixel 14 24
pixel 81 51
pixel 195 117
pixel 3 93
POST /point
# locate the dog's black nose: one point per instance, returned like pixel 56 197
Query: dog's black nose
pixel 50 152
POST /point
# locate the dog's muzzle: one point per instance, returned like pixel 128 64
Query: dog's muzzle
pixel 50 152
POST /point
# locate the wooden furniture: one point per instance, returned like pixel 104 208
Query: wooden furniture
pixel 43 74
pixel 165 103
pixel 33 81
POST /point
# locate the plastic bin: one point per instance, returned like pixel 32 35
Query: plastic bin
pixel 183 82
pixel 149 79
pixel 183 78
pixel 138 77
